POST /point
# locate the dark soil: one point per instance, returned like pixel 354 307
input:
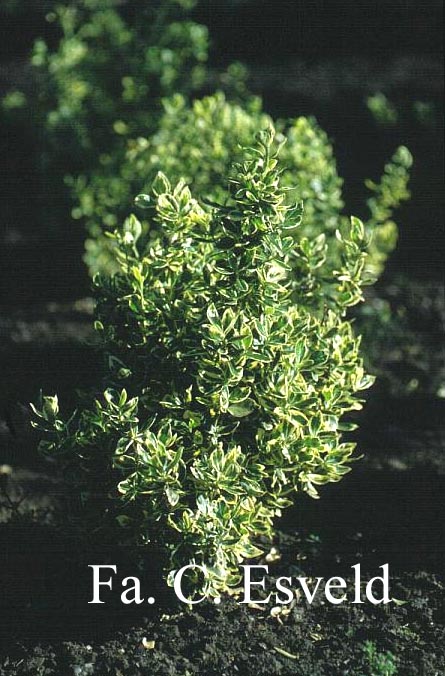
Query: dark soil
pixel 49 628
pixel 237 639
pixel 389 509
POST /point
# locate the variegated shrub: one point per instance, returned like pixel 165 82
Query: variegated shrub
pixel 227 386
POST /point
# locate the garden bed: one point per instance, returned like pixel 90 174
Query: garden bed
pixel 388 510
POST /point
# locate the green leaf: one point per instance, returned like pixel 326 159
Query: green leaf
pixel 241 410
pixel 143 201
pixel 172 495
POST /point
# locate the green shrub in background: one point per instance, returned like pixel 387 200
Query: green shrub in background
pixel 100 79
pixel 112 65
pixel 226 388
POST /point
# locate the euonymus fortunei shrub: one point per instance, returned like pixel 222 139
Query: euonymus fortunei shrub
pixel 227 385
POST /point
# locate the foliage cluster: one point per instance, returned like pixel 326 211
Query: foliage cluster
pixel 111 66
pixel 99 76
pixel 96 79
pixel 199 143
pixel 227 386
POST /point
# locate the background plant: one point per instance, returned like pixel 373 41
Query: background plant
pixel 99 77
pixel 236 387
pixel 112 64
